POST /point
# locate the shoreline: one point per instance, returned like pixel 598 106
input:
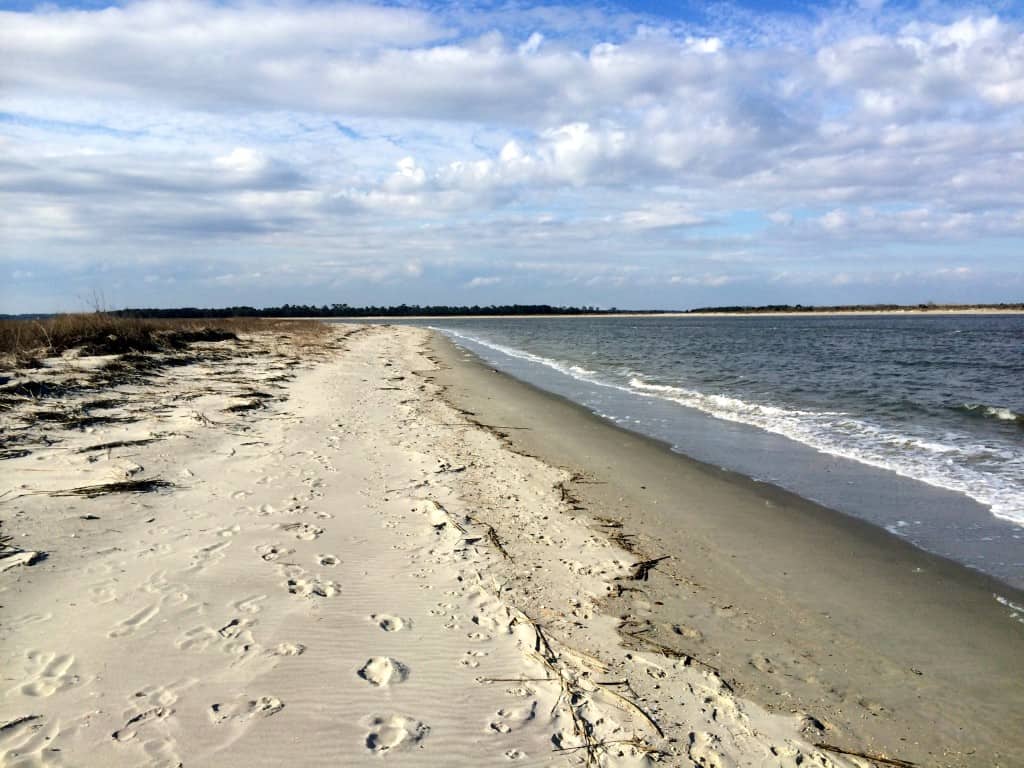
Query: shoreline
pixel 295 549
pixel 285 553
pixel 852 312
pixel 794 574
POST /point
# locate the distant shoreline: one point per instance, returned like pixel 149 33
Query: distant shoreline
pixel 340 312
pixel 751 313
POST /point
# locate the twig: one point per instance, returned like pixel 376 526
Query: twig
pixel 687 658
pixel 644 568
pixel 492 536
pixel 600 744
pixel 637 707
pixel 18 721
pixel 868 756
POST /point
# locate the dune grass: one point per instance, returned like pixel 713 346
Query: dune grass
pixel 102 333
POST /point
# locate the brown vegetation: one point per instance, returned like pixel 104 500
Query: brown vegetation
pixel 101 333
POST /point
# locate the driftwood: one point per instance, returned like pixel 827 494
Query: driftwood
pixel 18 721
pixel 868 756
pixel 643 569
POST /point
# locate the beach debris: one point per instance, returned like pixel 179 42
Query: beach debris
pixel 688 659
pixel 642 570
pixel 249 405
pixel 867 756
pixel 19 557
pixel 577 688
pixel 444 466
pixel 631 703
pixel 123 486
pixel 18 721
pixel 492 536
pixel 12 555
pixel 117 444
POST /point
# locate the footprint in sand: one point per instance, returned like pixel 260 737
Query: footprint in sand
pixel 704 748
pixel 391 623
pixel 104 592
pixel 245 709
pixel 28 741
pixel 132 624
pixel 234 628
pixel 27 620
pixel 196 639
pixel 394 732
pixel 150 705
pixel 272 552
pixel 313 587
pixel 51 672
pixel 249 604
pixel 131 728
pixel 288 649
pixel 303 531
pixel 509 719
pixel 206 556
pixel 170 592
pixel 383 671
pixel 233 638
pixel 471 659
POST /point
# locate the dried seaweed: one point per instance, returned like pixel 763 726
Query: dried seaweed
pixel 117 444
pixel 250 405
pixel 642 570
pixel 123 486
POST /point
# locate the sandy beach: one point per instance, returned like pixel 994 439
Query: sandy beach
pixel 368 546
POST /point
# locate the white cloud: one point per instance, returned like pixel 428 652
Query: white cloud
pixel 483 282
pixel 393 143
pixel 241 160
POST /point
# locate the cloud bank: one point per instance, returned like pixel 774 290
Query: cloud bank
pixel 176 153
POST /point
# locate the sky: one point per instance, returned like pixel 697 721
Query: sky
pixel 654 154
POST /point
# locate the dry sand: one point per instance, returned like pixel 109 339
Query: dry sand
pixel 343 569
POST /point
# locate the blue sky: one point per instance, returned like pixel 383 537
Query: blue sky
pixel 632 154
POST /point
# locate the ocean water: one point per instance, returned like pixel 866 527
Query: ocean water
pixel 914 423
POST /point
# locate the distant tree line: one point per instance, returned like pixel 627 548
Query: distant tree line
pixel 930 307
pixel 444 310
pixel 344 310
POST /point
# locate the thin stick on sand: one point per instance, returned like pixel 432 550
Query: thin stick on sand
pixel 868 756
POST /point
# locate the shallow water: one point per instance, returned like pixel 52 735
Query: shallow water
pixel 914 423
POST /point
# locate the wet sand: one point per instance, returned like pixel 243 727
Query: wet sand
pixel 802 608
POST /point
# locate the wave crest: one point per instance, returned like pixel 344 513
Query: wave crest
pixel 980 410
